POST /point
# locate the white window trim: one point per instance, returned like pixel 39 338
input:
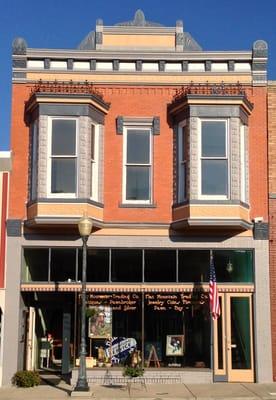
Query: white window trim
pixel 181 196
pixel 227 154
pixel 49 159
pixel 137 126
pixel 95 164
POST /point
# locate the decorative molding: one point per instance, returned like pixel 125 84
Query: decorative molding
pixel 208 65
pixel 139 20
pixel 259 66
pixel 156 125
pixel 99 38
pixel 14 227
pixel 47 63
pixel 120 125
pixel 179 39
pixel 19 46
pixel 231 65
pixel 139 65
pixel 93 65
pixel 133 205
pixel 89 42
pixel 162 65
pixel 185 65
pixel 116 65
pixel 261 231
pixel 153 121
pixel 19 63
pixel 260 49
pixel 70 64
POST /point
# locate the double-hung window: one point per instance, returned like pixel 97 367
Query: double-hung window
pixel 182 162
pixel 137 165
pixel 63 157
pixel 94 138
pixel 243 189
pixel 214 159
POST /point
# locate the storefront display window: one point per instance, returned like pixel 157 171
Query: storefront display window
pixel 97 265
pixel 63 265
pixel 160 266
pixel 35 267
pixel 126 265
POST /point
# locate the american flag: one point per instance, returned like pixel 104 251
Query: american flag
pixel 213 290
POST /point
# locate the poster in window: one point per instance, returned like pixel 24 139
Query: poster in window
pixel 100 322
pixel 175 345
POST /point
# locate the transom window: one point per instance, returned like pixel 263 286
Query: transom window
pixel 214 158
pixel 63 156
pixel 137 165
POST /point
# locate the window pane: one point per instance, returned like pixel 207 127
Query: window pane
pixel 214 177
pixel 126 265
pixel 138 183
pixel 63 175
pixel 97 265
pixel 35 265
pixel 92 142
pixel 193 265
pixel 63 265
pixel 184 144
pixel 138 146
pixel 160 265
pixel 63 137
pixel 234 265
pixel 213 139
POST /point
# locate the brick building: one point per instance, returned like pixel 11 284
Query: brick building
pixel 163 145
pixel 272 205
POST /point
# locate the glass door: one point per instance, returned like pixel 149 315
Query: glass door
pixel 233 339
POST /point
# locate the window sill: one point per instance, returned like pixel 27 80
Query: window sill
pixel 137 205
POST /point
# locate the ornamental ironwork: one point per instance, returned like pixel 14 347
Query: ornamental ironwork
pixel 207 89
pixel 66 88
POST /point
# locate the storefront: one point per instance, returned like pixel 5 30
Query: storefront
pixel 155 300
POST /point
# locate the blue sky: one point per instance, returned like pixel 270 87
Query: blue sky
pixel 215 24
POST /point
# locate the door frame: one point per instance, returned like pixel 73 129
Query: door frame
pixel 222 365
pixel 30 339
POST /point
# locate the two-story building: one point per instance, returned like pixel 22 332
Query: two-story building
pixel 164 146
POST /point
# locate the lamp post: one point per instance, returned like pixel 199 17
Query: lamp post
pixel 85 228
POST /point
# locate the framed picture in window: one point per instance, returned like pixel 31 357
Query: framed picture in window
pixel 175 345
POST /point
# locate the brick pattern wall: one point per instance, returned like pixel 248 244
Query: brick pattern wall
pixel 146 102
pixel 272 213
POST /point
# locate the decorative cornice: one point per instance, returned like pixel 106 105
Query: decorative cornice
pixel 138 20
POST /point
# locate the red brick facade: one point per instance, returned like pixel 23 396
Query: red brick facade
pixel 142 101
pixel 272 212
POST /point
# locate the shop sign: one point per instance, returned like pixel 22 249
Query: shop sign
pixel 175 301
pixel 117 301
pixel 119 348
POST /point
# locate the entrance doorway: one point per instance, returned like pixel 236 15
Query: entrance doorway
pixel 233 339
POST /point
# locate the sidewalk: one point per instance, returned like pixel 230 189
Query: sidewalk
pixel 219 391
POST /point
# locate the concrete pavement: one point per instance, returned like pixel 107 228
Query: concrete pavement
pixel 217 391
